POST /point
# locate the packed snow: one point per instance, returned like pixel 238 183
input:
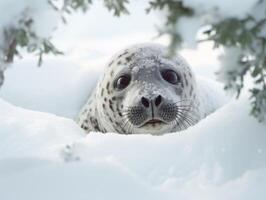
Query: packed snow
pixel 45 155
pixel 64 80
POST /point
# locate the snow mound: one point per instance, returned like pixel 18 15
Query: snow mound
pixel 59 86
pixel 28 133
pixel 48 157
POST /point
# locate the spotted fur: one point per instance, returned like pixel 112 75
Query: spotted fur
pixel 120 111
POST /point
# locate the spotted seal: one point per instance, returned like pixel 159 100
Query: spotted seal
pixel 143 90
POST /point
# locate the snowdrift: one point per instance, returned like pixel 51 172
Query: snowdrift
pixel 43 156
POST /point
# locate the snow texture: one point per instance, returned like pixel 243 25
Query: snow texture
pixel 43 156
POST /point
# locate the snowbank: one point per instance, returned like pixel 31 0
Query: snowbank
pixel 43 156
pixel 27 133
pixel 59 86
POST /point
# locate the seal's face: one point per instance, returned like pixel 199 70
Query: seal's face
pixel 148 93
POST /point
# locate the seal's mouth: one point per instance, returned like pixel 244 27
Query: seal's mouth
pixel 153 123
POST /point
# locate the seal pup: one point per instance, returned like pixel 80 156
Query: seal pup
pixel 143 90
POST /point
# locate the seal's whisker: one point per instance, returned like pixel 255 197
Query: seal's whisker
pixel 178 122
pixel 126 124
pixel 184 120
pixel 190 118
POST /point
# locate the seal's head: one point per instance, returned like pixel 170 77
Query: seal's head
pixel 145 91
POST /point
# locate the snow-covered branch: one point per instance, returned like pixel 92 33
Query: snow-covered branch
pixel 29 25
pixel 239 28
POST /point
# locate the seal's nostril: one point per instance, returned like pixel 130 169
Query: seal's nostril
pixel 145 102
pixel 158 100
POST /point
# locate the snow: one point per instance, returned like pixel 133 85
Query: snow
pixel 230 65
pixel 15 14
pixel 213 12
pixel 189 33
pixel 28 133
pixel 45 155
pixel 44 16
pixel 59 86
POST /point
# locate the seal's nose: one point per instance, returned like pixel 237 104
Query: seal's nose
pixel 158 100
pixel 146 102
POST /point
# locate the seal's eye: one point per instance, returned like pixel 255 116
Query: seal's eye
pixel 170 76
pixel 122 82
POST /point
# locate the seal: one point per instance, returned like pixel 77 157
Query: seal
pixel 143 90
